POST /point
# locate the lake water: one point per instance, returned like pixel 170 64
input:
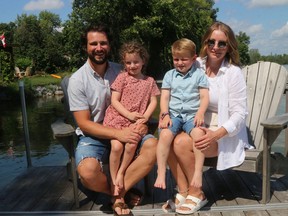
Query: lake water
pixel 46 151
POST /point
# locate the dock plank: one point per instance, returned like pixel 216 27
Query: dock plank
pixel 47 190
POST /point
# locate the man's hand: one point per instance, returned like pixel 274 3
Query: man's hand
pixel 128 135
pixel 142 129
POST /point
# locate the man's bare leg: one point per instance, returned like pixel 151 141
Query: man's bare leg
pixel 92 177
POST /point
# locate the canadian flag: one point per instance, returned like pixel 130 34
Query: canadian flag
pixel 2 38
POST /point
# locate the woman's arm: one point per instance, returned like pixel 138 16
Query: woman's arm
pixel 84 122
pixel 237 102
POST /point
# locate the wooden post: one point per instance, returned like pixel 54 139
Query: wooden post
pixel 25 123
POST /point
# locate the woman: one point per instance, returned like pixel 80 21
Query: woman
pixel 225 132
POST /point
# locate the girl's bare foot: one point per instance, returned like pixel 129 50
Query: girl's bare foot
pixel 119 181
pixel 160 182
pixel 115 190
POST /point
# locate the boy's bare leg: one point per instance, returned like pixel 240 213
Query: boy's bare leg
pixel 163 148
pixel 114 163
pixel 199 159
pixel 128 155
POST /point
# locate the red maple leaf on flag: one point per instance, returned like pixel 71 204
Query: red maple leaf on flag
pixel 2 38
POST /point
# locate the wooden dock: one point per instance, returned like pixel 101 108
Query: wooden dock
pixel 47 191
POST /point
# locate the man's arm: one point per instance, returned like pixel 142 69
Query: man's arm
pixel 87 126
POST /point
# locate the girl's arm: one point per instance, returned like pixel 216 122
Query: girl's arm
pixel 115 101
pixel 150 109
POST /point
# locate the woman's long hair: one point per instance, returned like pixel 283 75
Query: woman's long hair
pixel 232 55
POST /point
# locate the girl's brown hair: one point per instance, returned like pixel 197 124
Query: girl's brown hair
pixel 134 47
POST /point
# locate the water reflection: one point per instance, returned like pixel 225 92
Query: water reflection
pixel 45 151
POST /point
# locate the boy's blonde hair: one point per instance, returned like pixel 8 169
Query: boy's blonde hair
pixel 184 45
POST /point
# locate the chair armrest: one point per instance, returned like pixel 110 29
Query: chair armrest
pixel 276 122
pixel 61 129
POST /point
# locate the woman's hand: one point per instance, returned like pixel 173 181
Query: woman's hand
pixel 206 140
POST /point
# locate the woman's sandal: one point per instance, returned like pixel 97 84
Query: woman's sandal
pixel 170 205
pixel 192 207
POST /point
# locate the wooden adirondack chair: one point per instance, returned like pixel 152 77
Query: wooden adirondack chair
pixel 266 83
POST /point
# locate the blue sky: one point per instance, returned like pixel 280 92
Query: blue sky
pixel 264 21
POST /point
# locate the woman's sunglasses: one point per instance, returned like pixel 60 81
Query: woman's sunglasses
pixel 220 44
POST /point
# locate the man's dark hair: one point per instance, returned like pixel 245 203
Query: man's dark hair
pixel 95 28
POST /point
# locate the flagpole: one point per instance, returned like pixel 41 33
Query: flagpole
pixel 1 68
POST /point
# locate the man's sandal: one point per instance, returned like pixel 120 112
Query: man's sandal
pixel 133 197
pixel 192 207
pixel 121 206
pixel 170 205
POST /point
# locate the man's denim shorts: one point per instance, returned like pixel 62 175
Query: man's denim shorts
pixel 99 148
pixel 179 125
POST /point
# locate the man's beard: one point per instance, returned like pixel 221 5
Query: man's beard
pixel 98 61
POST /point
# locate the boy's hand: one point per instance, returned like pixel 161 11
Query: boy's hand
pixel 165 122
pixel 199 119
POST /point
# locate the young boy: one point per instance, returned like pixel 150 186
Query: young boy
pixel 184 100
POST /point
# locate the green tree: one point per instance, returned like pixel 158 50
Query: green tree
pixel 156 23
pixel 254 56
pixel 243 46
pixel 41 41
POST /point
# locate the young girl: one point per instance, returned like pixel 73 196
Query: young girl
pixel 133 101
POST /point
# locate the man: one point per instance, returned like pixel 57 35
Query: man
pixel 89 96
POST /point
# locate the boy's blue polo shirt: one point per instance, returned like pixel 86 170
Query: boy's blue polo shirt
pixel 184 91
